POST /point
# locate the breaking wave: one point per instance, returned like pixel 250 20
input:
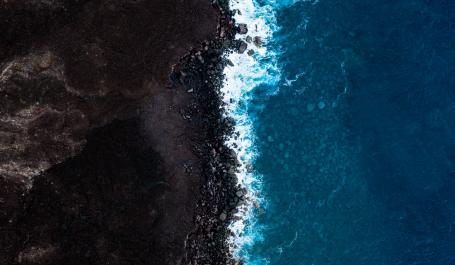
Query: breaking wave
pixel 247 74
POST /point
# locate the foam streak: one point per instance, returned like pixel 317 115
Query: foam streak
pixel 247 73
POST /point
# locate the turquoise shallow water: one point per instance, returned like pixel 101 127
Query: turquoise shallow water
pixel 357 149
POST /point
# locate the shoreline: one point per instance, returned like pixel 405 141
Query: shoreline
pixel 203 76
pixel 133 185
pixel 250 79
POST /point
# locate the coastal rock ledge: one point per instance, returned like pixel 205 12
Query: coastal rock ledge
pixel 100 150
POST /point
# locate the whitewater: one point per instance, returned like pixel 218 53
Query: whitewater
pixel 241 79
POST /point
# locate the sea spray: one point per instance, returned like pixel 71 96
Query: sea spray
pixel 246 74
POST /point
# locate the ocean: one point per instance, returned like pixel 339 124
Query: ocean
pixel 345 123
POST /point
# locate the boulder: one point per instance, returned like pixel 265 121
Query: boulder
pixel 242 29
pixel 242 47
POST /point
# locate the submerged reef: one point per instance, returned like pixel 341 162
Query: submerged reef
pixel 111 132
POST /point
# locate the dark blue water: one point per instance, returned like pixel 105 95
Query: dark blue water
pixel 358 153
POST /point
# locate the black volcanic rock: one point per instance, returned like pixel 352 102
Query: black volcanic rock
pixel 68 66
pixel 100 207
pixel 105 159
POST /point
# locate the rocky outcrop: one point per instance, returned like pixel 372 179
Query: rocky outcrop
pixel 68 66
pixel 42 120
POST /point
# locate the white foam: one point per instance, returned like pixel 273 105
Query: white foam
pixel 247 73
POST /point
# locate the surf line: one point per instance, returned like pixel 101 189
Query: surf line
pixel 245 73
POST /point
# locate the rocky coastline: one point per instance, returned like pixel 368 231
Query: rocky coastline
pixel 112 133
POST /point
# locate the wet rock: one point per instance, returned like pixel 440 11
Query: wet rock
pixel 243 29
pixel 250 52
pixel 242 48
pixel 257 41
pixel 248 39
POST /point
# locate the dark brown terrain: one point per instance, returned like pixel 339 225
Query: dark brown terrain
pixel 71 65
pixel 99 161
